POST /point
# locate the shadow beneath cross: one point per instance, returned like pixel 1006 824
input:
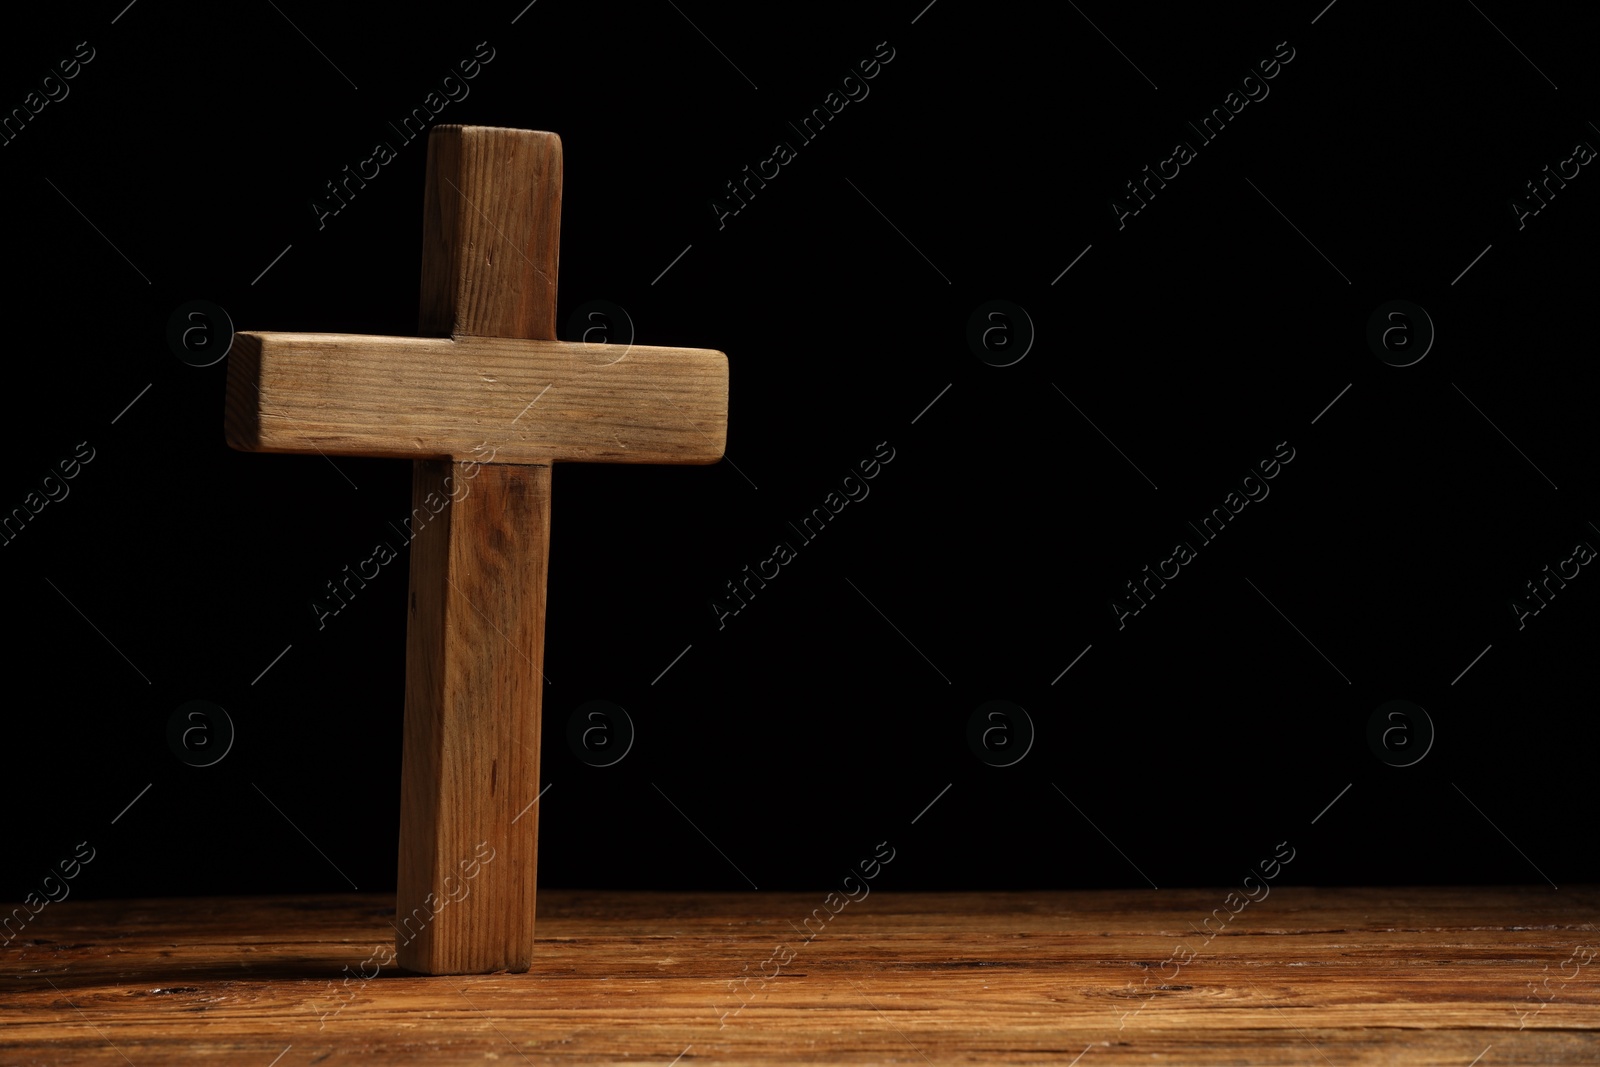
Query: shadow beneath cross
pixel 115 944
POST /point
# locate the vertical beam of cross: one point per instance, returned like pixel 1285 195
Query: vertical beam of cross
pixel 475 629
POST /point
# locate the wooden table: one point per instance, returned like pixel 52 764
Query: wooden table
pixel 1305 976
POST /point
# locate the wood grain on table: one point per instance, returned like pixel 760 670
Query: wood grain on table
pixel 1304 976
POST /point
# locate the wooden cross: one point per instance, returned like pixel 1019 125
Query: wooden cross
pixel 484 402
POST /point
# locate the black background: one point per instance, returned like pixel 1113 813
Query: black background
pixel 827 715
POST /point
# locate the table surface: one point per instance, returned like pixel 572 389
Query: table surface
pixel 1460 976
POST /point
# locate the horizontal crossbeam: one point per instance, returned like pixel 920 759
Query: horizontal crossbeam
pixel 492 399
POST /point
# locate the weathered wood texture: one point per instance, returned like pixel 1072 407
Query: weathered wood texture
pixel 475 631
pixel 470 398
pixel 491 232
pixel 470 772
pixel 1305 976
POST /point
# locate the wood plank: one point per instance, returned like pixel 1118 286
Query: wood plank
pixel 475 630
pixel 491 232
pixel 518 401
pixel 474 679
pixel 1342 976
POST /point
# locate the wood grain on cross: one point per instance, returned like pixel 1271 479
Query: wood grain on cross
pixel 488 379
